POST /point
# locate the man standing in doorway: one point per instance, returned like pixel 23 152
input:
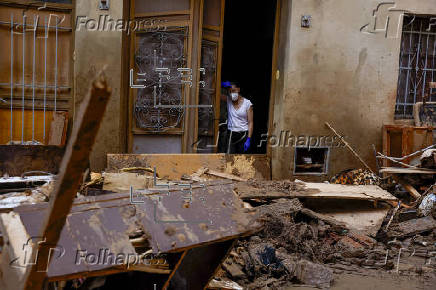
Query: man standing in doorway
pixel 239 120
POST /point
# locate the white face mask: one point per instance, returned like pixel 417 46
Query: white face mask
pixel 234 96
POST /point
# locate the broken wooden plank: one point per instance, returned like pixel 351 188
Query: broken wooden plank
pixel 121 182
pixel 101 222
pixel 215 213
pixel 408 187
pixel 91 233
pixel 400 170
pixel 340 191
pixel 174 166
pixel 316 190
pixel 73 164
pixel 412 227
pixel 58 129
pixel 171 166
pixel 12 256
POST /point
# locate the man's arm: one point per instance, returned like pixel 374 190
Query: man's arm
pixel 250 121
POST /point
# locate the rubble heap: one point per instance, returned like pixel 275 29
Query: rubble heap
pixel 300 246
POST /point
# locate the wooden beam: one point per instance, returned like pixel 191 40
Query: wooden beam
pixel 58 129
pixel 401 170
pixel 163 13
pixel 218 73
pixel 275 73
pixel 194 59
pixel 73 164
pixel 410 189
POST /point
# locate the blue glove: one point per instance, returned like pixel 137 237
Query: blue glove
pixel 247 144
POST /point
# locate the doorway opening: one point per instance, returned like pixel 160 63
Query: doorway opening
pixel 248 42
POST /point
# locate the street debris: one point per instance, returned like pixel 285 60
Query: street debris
pixel 263 233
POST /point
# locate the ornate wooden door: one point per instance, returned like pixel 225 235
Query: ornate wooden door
pixel 172 96
pixel 210 84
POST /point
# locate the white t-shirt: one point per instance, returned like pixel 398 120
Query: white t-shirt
pixel 238 119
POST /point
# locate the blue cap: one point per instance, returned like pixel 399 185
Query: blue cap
pixel 226 84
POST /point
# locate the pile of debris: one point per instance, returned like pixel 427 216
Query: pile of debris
pixel 357 223
pixel 288 249
pixel 300 245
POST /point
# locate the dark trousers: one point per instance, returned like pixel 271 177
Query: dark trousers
pixel 222 138
pixel 235 142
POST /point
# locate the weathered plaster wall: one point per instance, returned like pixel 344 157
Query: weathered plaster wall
pixel 335 73
pixel 93 51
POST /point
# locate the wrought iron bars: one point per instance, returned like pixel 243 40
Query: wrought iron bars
pixel 417 64
pixel 14 29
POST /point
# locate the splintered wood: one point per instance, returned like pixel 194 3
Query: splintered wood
pixel 214 213
pixel 400 170
pixel 121 182
pixel 58 129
